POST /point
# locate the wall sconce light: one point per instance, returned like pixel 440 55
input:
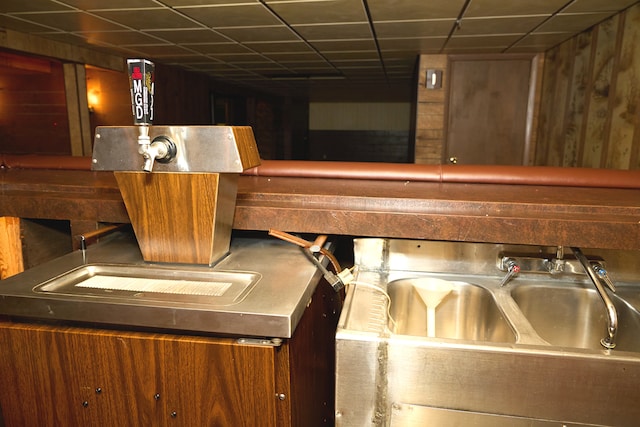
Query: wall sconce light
pixel 434 79
pixel 93 99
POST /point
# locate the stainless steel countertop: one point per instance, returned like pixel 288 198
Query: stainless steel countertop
pixel 272 308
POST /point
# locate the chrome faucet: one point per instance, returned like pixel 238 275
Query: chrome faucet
pixel 512 268
pixel 596 272
pixel 161 148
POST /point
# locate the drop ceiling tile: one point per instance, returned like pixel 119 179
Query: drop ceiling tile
pixel 274 47
pixel 238 58
pixel 371 55
pixel 218 48
pixel 108 4
pixel 473 50
pixel 147 19
pixel 317 62
pixel 64 38
pixel 413 44
pixel 499 41
pixel 240 15
pixel 479 8
pixel 71 21
pixel 578 6
pixel 317 12
pixel 263 66
pixel 316 67
pixel 400 58
pixel 501 25
pixel 192 35
pixel 13 6
pixel 292 57
pixel 164 50
pixel 407 10
pixel 208 66
pixel 236 73
pixel 571 23
pixel 334 32
pixel 342 45
pixel 181 3
pixel 17 24
pixel 414 29
pixel 184 59
pixel 126 37
pixel 259 34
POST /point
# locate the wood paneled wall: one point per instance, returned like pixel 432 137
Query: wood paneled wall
pixel 430 112
pixel 33 112
pixel 590 107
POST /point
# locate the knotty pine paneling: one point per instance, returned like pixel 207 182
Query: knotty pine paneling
pixel 590 106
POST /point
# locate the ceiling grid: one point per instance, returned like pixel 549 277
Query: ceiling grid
pixel 273 44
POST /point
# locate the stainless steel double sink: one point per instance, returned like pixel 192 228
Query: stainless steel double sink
pixel 562 314
pixel 527 353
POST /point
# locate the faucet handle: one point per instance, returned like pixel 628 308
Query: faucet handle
pixel 599 269
pixel 142 82
pixel 512 270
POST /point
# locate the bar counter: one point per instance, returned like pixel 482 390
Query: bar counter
pixel 514 211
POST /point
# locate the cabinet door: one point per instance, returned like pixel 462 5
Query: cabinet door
pixel 53 376
pixel 488 113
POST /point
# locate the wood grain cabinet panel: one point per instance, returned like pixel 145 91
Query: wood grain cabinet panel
pixel 54 375
pixel 78 377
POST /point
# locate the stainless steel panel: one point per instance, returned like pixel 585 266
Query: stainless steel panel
pixel 404 415
pixel 157 284
pixel 466 372
pixel 271 283
pixel 199 149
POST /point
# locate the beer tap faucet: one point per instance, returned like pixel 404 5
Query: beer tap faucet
pixel 142 82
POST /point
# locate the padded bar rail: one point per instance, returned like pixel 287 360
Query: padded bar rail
pixel 472 174
pixel 34 161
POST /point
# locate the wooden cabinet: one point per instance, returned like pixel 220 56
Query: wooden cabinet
pixel 54 375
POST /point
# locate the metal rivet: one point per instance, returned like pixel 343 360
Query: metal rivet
pixel 281 396
pixel 85 404
pixel 174 414
pixel 98 390
pixel 156 396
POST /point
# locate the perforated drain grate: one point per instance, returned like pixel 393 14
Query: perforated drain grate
pixel 163 286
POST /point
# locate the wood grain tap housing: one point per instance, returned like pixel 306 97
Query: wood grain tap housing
pixel 181 212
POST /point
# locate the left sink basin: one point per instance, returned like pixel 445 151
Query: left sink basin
pixel 468 312
pixel 160 284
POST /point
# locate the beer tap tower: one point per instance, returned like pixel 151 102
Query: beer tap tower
pixel 181 202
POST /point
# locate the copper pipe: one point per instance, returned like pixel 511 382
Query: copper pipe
pixel 308 245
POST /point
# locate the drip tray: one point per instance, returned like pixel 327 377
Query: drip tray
pixel 153 284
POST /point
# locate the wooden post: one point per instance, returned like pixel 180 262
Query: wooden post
pixel 10 247
pixel 77 109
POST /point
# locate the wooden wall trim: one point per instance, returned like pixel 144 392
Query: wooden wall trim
pixel 38 46
pixel 75 82
pixel 11 261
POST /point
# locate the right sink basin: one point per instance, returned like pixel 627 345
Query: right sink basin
pixel 574 316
